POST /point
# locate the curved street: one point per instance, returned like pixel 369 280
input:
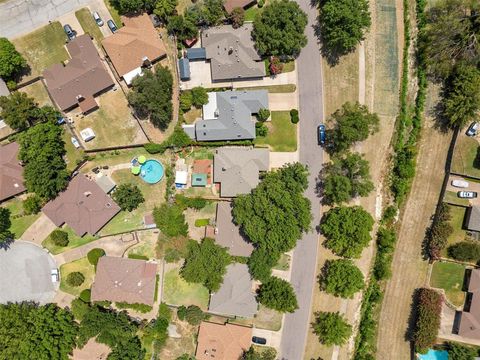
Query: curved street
pixel 310 85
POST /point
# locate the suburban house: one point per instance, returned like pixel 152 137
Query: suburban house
pixel 469 325
pixel 229 5
pixel 222 342
pixel 236 296
pixel 78 82
pixel 472 218
pixel 11 172
pixel 135 46
pixel 228 115
pixel 83 206
pixel 237 170
pixel 124 280
pixel 232 53
pixel 227 234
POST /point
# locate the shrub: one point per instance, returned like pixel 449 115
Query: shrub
pixel 275 66
pixel 85 295
pixel 186 101
pixel 172 255
pixel 331 328
pixel 75 279
pixel 429 308
pixel 458 351
pixel 199 96
pixel 263 114
pixel 465 251
pixel 153 148
pixel 194 315
pixel 389 214
pixel 182 312
pixel 237 17
pixel 260 129
pixel 260 3
pixel 439 231
pixel 95 254
pixel 32 205
pixel 128 197
pixel 59 237
pixel 196 203
pixel 294 116
pixel 278 294
pixel 143 308
pixel 137 256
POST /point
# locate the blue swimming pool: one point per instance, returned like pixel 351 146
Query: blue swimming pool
pixel 151 171
pixel 434 355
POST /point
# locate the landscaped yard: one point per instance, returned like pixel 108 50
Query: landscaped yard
pixel 43 47
pixel 113 123
pixel 73 156
pixel 449 277
pixel 73 241
pixel 20 222
pixel 37 91
pixel 464 160
pixel 81 265
pixel 177 291
pixel 282 134
pixel 89 26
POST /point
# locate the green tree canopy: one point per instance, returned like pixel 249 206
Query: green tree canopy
pixel 465 251
pixel 199 96
pixel 182 28
pixel 206 13
pixel 170 220
pixel 347 230
pixel 128 196
pixel 151 96
pixel 59 237
pixel 266 354
pixel 237 17
pixel 18 110
pixel 457 351
pixel 352 123
pixel 32 205
pixel 165 8
pixel 278 294
pixel 331 328
pixel 279 29
pixel 133 6
pixel 342 278
pixel 206 263
pixel 30 331
pixel 343 24
pixel 11 62
pixel 261 262
pixel 75 279
pixel 6 236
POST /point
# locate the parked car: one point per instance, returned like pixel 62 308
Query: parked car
pixel 97 18
pixel 54 274
pixel 75 142
pixel 472 129
pixel 321 134
pixel 467 194
pixel 112 26
pixel 69 31
pixel 259 340
pixel 460 183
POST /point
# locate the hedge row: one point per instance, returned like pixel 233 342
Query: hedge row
pixel 137 307
pixel 429 309
pixel 439 231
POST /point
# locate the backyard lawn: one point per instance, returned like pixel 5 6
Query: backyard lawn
pixel 82 265
pixel 43 47
pixel 73 156
pixel 282 134
pixel 465 155
pixel 73 241
pixel 20 222
pixel 147 246
pixel 449 277
pixel 177 291
pixel 458 215
pixel 39 92
pixel 89 26
pixel 192 115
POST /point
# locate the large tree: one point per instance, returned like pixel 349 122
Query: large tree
pixel 343 24
pixel 279 29
pixel 128 196
pixel 206 13
pixel 205 263
pixel 30 331
pixel 11 62
pixel 42 150
pixel 151 96
pixel 170 220
pixel 278 294
pixel 18 110
pixel 351 123
pixel 347 230
pixel 165 8
pixel 6 236
pixel 331 328
pixel 342 278
pixel 182 28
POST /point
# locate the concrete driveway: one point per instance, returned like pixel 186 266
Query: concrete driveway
pixel 26 274
pixel 472 186
pixel 39 230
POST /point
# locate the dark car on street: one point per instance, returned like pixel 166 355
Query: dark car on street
pixel 259 340
pixel 321 134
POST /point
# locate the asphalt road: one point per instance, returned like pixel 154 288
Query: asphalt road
pixel 297 325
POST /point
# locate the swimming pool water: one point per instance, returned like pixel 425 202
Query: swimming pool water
pixel 151 171
pixel 435 355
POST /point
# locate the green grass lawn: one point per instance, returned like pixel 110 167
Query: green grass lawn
pixel 464 155
pixel 73 241
pixel 289 66
pixel 43 47
pixel 286 88
pixel 458 235
pixel 73 155
pixel 282 134
pixel 89 26
pixel 268 319
pixel 202 222
pixel 252 12
pixel 82 265
pixel 449 276
pixel 114 12
pixel 177 291
pixel 38 91
pixel 452 198
pixel 20 222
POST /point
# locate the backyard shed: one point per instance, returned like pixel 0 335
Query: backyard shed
pixel 87 134
pixel 199 180
pixel 181 177
pixel 184 69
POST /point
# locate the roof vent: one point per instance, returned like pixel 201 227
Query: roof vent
pixel 87 193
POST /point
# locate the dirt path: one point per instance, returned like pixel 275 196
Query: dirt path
pixel 409 270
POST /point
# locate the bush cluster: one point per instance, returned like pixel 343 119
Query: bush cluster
pixel 192 314
pixel 429 308
pixel 196 203
pixel 75 279
pixel 85 295
pixel 439 231
pixel 294 116
pixel 386 239
pixel 59 237
pixel 465 251
pixel 94 255
pixel 32 205
pixel 143 308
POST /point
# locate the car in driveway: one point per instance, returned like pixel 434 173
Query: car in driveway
pixel 467 194
pixel 472 129
pixel 97 18
pixel 259 340
pixel 460 183
pixel 112 26
pixel 75 142
pixel 69 31
pixel 321 134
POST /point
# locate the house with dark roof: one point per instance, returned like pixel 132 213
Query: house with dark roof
pixel 135 46
pixel 236 296
pixel 83 206
pixel 11 172
pixel 228 115
pixel 237 170
pixel 124 280
pixel 232 53
pixel 184 69
pixel 472 219
pixel 78 82
pixel 469 325
pixel 227 233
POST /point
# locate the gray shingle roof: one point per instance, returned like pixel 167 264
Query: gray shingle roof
pixel 196 54
pixel 228 234
pixel 473 218
pixel 238 169
pixel 232 53
pixel 184 68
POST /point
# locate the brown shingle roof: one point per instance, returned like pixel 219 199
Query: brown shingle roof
pixel 84 206
pixel 124 280
pixel 11 172
pixel 470 320
pixel 83 77
pixel 229 5
pixel 128 47
pixel 222 342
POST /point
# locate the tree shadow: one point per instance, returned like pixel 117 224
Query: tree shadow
pixel 5 245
